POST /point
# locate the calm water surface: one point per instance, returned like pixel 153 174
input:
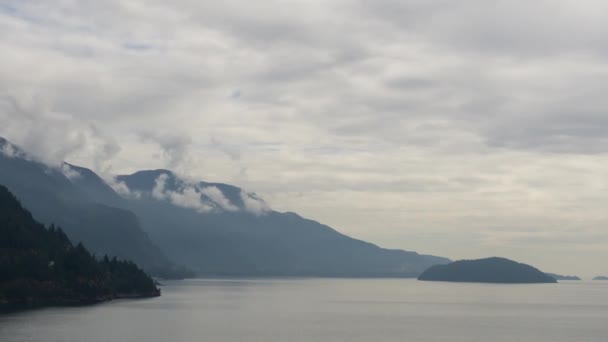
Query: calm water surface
pixel 370 310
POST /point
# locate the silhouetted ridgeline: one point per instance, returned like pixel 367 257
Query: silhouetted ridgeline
pixel 600 278
pixel 40 266
pixel 220 231
pixel 562 277
pixel 490 270
pixel 238 241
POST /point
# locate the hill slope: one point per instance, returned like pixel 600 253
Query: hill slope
pixel 218 229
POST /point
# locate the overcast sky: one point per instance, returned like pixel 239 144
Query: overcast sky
pixel 457 128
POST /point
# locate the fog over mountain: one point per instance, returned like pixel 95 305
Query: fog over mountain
pixel 463 129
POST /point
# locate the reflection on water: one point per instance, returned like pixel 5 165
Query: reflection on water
pixel 329 310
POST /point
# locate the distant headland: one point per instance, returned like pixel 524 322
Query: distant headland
pixel 489 270
pixel 563 277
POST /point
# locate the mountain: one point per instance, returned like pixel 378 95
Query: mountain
pixel 93 186
pixel 215 229
pixel 40 266
pixel 490 270
pixel 562 277
pixel 600 278
pixel 54 198
pixel 219 229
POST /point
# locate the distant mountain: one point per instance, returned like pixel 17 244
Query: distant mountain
pixel 490 270
pixel 600 278
pixel 40 266
pixel 53 197
pixel 219 229
pixel 562 277
pixel 214 229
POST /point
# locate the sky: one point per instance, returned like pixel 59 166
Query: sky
pixel 463 129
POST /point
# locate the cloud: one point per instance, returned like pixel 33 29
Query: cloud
pixel 160 182
pixel 53 137
pixel 440 120
pixel 121 188
pixel 69 172
pixel 187 197
pixel 253 204
pixel 217 197
pixel 233 152
pixel 205 199
pixel 8 150
pixel 174 147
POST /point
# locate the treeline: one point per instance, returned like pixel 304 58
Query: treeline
pixel 40 266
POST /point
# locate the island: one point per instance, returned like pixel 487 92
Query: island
pixel 601 278
pixel 562 277
pixel 39 266
pixel 489 270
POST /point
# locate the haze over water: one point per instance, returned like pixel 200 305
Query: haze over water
pixel 329 310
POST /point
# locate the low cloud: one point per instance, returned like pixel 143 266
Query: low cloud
pixel 121 188
pixel 254 205
pixel 187 197
pixel 205 199
pixel 53 137
pixel 8 150
pixel 69 172
pixel 217 197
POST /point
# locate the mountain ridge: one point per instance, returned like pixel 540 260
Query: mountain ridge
pixel 288 234
pixel 563 277
pixel 219 229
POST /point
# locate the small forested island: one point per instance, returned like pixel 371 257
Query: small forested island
pixel 601 278
pixel 562 277
pixel 39 266
pixel 489 270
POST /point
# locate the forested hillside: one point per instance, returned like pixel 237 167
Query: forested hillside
pixel 40 266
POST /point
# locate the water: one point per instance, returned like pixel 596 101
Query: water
pixel 366 310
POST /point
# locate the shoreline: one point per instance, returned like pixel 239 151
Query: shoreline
pixel 7 307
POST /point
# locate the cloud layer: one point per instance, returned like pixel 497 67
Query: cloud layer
pixel 462 129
